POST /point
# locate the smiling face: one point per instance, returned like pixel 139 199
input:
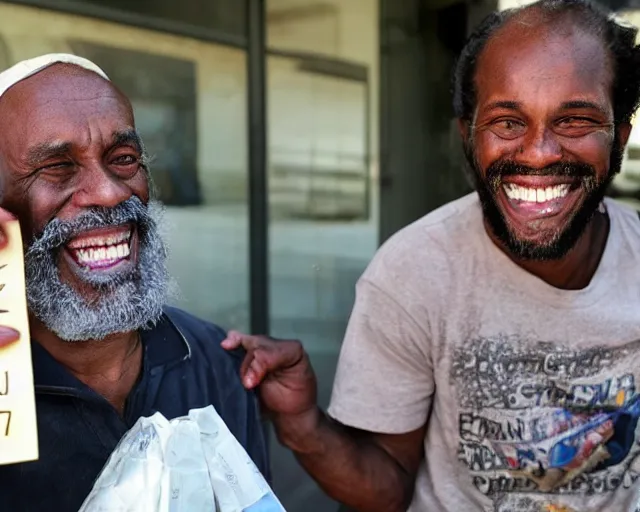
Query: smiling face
pixel 74 172
pixel 543 143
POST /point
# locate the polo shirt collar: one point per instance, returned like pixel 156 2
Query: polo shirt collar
pixel 164 346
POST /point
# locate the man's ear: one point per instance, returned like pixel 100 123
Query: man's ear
pixel 624 131
pixel 463 128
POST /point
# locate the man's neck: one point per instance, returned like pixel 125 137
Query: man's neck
pixel 576 269
pixel 110 366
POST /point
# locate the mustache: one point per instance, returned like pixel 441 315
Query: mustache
pixel 58 233
pixel 498 170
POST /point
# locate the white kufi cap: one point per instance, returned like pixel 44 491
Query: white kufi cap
pixel 27 68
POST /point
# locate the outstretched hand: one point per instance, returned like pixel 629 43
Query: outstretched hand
pixel 279 369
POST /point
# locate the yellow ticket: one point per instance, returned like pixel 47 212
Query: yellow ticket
pixel 18 428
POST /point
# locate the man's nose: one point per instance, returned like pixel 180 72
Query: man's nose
pixel 97 186
pixel 539 149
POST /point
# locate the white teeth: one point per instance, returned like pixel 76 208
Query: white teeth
pixel 104 255
pixel 535 195
pixel 99 241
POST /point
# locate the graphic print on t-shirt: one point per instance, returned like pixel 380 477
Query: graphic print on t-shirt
pixel 541 423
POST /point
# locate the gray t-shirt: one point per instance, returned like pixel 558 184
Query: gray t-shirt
pixel 529 391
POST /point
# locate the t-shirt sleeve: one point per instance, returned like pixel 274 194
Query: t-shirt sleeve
pixel 384 381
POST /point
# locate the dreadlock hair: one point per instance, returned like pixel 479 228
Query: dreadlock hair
pixel 618 38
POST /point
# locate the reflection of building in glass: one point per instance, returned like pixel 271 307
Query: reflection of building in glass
pixel 319 151
pixel 163 92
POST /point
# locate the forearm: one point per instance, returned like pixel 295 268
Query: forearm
pixel 350 469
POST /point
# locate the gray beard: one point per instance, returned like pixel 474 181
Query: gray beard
pixel 126 302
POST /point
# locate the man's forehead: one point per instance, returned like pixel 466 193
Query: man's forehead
pixel 58 81
pixel 540 53
pixel 62 105
pixel 27 68
pixel 30 67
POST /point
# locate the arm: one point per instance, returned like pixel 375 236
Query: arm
pixel 367 472
pixel 383 389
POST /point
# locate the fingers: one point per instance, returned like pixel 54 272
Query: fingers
pixel 264 356
pixel 236 340
pixel 8 336
pixel 246 374
pixel 257 371
pixel 250 370
pixel 5 216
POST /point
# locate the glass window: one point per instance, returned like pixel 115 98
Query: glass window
pixel 189 99
pixel 322 111
pixel 227 16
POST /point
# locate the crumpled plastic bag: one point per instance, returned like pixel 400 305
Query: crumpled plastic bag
pixel 189 464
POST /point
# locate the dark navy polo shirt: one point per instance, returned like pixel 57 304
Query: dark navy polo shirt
pixel 184 368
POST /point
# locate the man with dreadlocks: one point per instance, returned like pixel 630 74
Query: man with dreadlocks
pixel 492 358
pixel 106 351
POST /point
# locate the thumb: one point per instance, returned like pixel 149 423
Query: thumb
pixel 5 217
pixel 237 339
pixel 8 336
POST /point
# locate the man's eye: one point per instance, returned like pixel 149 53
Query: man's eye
pixel 57 169
pixel 577 126
pixel 125 160
pixel 577 121
pixel 56 166
pixel 508 128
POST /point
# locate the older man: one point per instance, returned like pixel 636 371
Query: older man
pixel 105 349
pixel 492 359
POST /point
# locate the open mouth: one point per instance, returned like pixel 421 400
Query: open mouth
pixel 540 199
pixel 535 195
pixel 102 249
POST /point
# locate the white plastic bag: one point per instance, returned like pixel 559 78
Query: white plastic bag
pixel 189 464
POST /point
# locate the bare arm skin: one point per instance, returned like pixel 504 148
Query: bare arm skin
pixel 365 471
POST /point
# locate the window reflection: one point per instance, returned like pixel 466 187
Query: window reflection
pixel 220 15
pixel 322 111
pixel 318 143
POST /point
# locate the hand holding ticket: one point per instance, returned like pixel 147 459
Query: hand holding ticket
pixel 8 335
pixel 18 429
